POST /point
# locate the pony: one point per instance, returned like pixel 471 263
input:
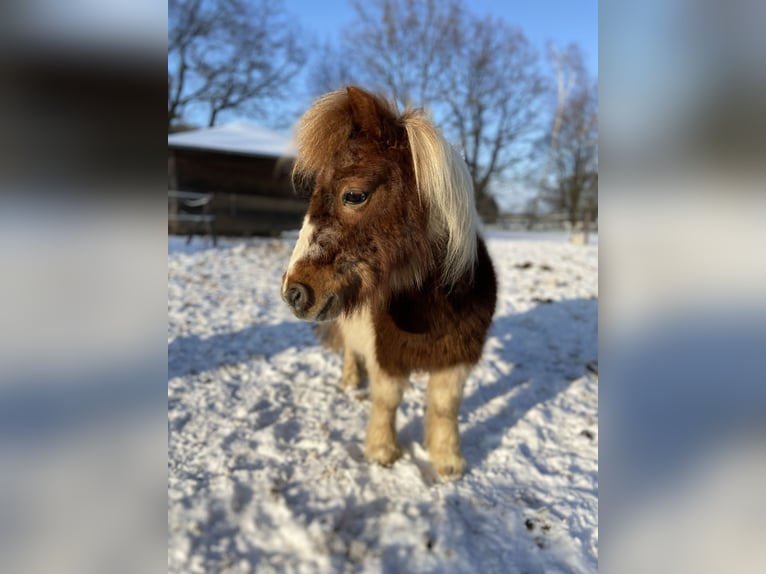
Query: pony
pixel 390 256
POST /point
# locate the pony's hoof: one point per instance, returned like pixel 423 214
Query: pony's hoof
pixel 449 465
pixel 383 454
pixel 350 383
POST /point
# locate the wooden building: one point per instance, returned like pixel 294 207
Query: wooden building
pixel 246 168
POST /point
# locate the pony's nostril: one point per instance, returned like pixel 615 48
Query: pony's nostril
pixel 297 296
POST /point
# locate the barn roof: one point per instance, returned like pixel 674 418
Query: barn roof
pixel 237 137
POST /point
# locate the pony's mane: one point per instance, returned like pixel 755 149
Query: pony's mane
pixel 443 180
pixel 441 175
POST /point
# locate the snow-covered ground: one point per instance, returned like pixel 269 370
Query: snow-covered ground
pixel 266 471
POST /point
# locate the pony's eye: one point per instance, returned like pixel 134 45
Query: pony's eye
pixel 354 197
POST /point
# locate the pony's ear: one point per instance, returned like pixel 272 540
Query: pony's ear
pixel 365 114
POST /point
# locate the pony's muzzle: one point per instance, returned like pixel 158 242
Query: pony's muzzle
pixel 303 301
pixel 300 297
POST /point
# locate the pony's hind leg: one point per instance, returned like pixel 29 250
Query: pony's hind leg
pixel 386 393
pixel 353 370
pixel 443 397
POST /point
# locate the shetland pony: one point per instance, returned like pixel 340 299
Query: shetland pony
pixel 390 253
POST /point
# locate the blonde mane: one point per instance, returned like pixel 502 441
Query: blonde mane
pixel 444 182
pixel 441 175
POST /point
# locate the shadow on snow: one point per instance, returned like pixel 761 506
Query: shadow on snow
pixel 193 354
pixel 548 346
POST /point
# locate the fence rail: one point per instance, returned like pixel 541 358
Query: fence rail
pixel 193 209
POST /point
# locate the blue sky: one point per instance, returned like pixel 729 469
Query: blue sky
pixel 562 21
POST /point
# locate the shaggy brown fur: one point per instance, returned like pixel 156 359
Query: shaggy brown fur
pixel 389 251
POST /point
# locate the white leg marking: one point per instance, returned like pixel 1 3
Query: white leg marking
pixel 381 445
pixel 443 397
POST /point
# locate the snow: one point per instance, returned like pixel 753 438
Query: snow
pixel 266 471
pixel 236 137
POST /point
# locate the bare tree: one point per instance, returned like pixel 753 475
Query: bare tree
pixel 331 70
pixel 568 69
pixel 570 179
pixel 229 55
pixel 479 77
pixel 404 46
pixel 493 90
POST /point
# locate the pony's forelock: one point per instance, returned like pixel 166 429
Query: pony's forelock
pixel 322 130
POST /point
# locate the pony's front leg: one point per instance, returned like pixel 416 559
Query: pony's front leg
pixel 442 438
pixel 386 392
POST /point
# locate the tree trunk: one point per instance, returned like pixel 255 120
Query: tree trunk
pixel 486 205
pixel 213 114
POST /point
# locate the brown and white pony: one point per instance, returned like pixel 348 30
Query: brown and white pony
pixel 390 253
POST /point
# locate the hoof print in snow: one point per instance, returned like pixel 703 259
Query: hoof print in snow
pixel 355 452
pixel 542 300
pixel 539 525
pixel 587 434
pixel 243 494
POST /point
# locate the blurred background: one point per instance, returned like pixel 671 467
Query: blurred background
pixel 82 286
pixel 683 280
pixel 680 169
pixel 513 86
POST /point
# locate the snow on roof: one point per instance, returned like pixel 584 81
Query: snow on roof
pixel 236 137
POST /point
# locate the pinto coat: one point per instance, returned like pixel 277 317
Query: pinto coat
pixel 390 254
